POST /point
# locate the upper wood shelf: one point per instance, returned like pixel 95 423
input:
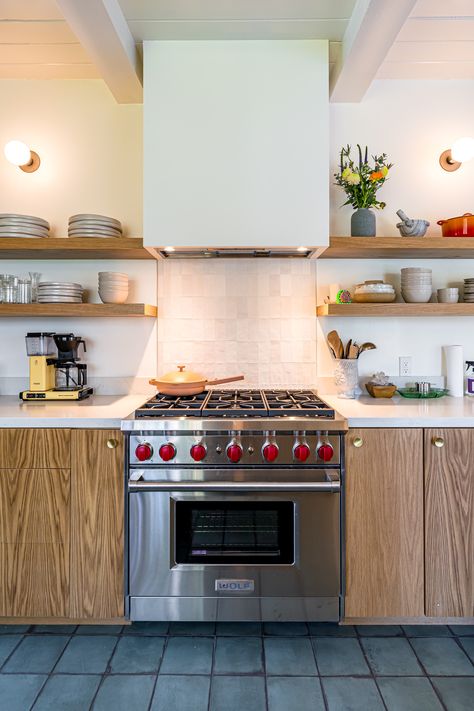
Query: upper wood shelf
pixel 75 248
pixel 79 310
pixel 399 248
pixel 395 310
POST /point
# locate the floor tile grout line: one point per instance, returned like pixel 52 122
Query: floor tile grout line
pixel 104 674
pixel 263 657
pixel 40 691
pixel 435 691
pixel 323 693
pixel 372 673
pixel 11 653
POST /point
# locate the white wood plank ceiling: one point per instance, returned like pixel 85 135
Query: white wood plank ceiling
pixel 37 43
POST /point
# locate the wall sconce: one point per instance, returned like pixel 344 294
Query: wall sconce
pixel 19 154
pixel 461 151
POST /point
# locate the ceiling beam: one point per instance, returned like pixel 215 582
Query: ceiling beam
pixel 372 29
pixel 101 28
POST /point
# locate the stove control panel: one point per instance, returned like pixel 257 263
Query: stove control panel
pixel 244 448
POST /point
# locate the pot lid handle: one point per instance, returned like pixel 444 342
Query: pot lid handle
pixel 181 368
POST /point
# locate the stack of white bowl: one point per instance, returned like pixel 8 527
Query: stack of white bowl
pixel 417 286
pixel 113 287
pixel 89 225
pixel 59 292
pixel 13 225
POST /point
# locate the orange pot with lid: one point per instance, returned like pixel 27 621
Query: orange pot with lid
pixel 462 226
pixel 182 382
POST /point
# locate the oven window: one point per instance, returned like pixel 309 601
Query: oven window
pixel 235 532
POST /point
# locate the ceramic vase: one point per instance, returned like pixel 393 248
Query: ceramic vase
pixel 363 223
pixel 346 378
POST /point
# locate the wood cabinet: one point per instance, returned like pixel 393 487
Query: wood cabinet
pixel 384 523
pixel 61 524
pixel 34 542
pixel 449 522
pixel 97 524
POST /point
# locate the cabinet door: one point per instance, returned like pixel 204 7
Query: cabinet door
pixel 384 523
pixel 449 528
pixel 34 542
pixel 97 524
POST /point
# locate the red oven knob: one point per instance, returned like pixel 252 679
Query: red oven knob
pixel 167 452
pixel 198 452
pixel 326 452
pixel 144 452
pixel 270 452
pixel 234 452
pixel 301 452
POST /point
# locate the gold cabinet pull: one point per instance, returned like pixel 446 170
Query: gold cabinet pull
pixel 358 442
pixel 112 443
pixel 438 442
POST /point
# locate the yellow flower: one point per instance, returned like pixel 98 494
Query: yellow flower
pixel 353 179
pixel 345 173
pixel 384 171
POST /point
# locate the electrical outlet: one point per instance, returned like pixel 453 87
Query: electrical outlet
pixel 404 365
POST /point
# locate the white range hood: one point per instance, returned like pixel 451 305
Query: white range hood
pixel 236 142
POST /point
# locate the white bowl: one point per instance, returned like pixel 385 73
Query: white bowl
pixel 114 274
pixel 415 298
pixel 415 270
pixel 113 299
pixel 448 296
pixel 113 292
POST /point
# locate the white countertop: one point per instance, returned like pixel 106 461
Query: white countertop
pixel 366 411
pixel 96 412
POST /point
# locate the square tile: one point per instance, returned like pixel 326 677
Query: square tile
pixel 339 657
pixel 99 629
pixel 408 694
pixel 391 656
pixel 467 643
pixel 124 692
pixel 462 630
pixel 53 629
pixel 238 655
pixel 36 654
pixel 294 692
pixel 137 655
pixel 234 693
pixel 7 645
pixel 18 691
pixel 182 693
pixel 238 629
pixel 64 692
pixel 352 694
pixel 442 656
pixel 285 629
pixel 457 694
pixel 194 629
pixel 331 629
pixel 289 656
pixel 87 655
pixel 380 630
pixel 14 629
pixel 148 628
pixel 427 631
pixel 188 655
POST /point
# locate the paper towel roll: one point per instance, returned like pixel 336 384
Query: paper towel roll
pixel 454 362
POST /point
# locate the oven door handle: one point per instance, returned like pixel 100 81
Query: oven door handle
pixel 332 486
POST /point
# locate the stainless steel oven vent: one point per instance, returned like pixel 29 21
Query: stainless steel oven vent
pixel 234 253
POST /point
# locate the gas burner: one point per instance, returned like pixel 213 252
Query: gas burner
pixel 238 404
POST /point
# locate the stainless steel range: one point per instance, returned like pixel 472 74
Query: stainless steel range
pixel 234 507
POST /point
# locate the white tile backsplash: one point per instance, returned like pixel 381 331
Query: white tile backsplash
pixel 250 316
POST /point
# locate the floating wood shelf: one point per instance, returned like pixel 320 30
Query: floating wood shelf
pixel 79 310
pixel 399 248
pixel 395 310
pixel 75 248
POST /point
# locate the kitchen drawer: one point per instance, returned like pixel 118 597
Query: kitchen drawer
pixel 35 449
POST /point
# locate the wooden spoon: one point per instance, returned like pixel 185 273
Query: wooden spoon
pixel 348 348
pixel 353 352
pixel 335 344
pixel 367 347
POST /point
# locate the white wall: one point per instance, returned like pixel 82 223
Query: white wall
pixel 91 161
pixel 413 122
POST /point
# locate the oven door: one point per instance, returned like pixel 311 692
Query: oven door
pixel 214 542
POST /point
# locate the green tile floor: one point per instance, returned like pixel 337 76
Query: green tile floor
pixel 236 667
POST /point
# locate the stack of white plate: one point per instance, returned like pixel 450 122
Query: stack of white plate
pixel 417 286
pixel 113 287
pixel 60 292
pixel 85 225
pixel 12 225
pixel 469 291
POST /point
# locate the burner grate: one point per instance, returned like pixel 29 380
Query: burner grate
pixel 235 403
